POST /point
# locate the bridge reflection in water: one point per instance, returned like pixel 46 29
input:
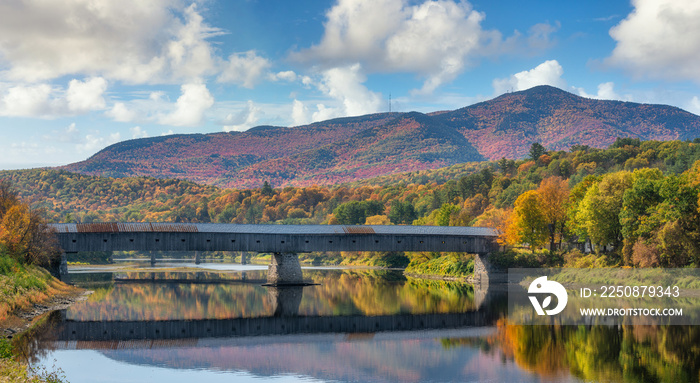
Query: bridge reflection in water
pixel 285 320
pixel 356 325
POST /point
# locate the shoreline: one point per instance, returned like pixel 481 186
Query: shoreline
pixel 448 278
pixel 22 320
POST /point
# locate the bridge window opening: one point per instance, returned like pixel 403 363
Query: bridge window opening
pixel 182 240
pixel 398 241
pixel 233 241
pixel 306 241
pixel 157 331
pixel 157 240
pixel 330 241
pixel 353 241
pixel 74 241
pixel 376 241
pixel 104 240
pixel 257 241
pixel 73 332
pixel 282 241
pixel 183 330
pixel 208 240
pixel 131 240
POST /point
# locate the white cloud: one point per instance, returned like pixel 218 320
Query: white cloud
pixel 289 76
pixel 156 96
pixel 300 113
pixel 547 73
pixel 84 96
pixel 659 39
pixel 120 112
pixel 344 85
pixel 244 69
pixel 435 39
pixel 95 142
pixel 137 132
pixel 694 105
pixel 540 36
pixel 27 101
pixel 243 120
pixel 190 55
pixel 47 101
pixel 131 40
pixel 190 106
pixel 606 91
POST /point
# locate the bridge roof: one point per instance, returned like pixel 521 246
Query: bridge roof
pixel 130 227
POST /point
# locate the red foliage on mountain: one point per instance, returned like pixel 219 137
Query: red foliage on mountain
pixel 349 149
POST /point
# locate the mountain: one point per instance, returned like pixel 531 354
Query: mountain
pixel 507 125
pixel 354 148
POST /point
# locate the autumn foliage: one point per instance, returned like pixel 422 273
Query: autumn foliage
pixel 24 234
pixel 585 198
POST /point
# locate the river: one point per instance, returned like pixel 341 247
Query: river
pixel 353 325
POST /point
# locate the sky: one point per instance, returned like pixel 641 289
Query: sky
pixel 79 75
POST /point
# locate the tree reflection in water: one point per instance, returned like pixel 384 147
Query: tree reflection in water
pixel 528 353
pixel 339 292
pixel 598 353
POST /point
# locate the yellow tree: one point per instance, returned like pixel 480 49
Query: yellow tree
pixel 15 230
pixel 554 196
pixel 528 223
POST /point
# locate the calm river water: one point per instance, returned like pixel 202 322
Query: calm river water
pixel 221 325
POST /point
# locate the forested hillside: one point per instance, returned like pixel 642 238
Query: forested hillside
pixel 634 196
pixel 358 148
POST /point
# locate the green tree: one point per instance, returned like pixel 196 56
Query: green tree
pixel 356 212
pixel 599 210
pixel 267 189
pixel 402 213
pixel 536 151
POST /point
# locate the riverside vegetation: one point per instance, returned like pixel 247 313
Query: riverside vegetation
pixel 625 203
pixel 27 249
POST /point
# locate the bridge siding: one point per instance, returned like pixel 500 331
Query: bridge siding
pixel 242 327
pixel 283 243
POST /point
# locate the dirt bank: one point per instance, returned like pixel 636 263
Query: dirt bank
pixel 23 319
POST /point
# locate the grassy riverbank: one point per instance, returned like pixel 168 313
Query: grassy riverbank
pixel 449 265
pixel 22 286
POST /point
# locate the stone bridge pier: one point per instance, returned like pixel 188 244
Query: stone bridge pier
pixel 286 300
pixel 284 269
